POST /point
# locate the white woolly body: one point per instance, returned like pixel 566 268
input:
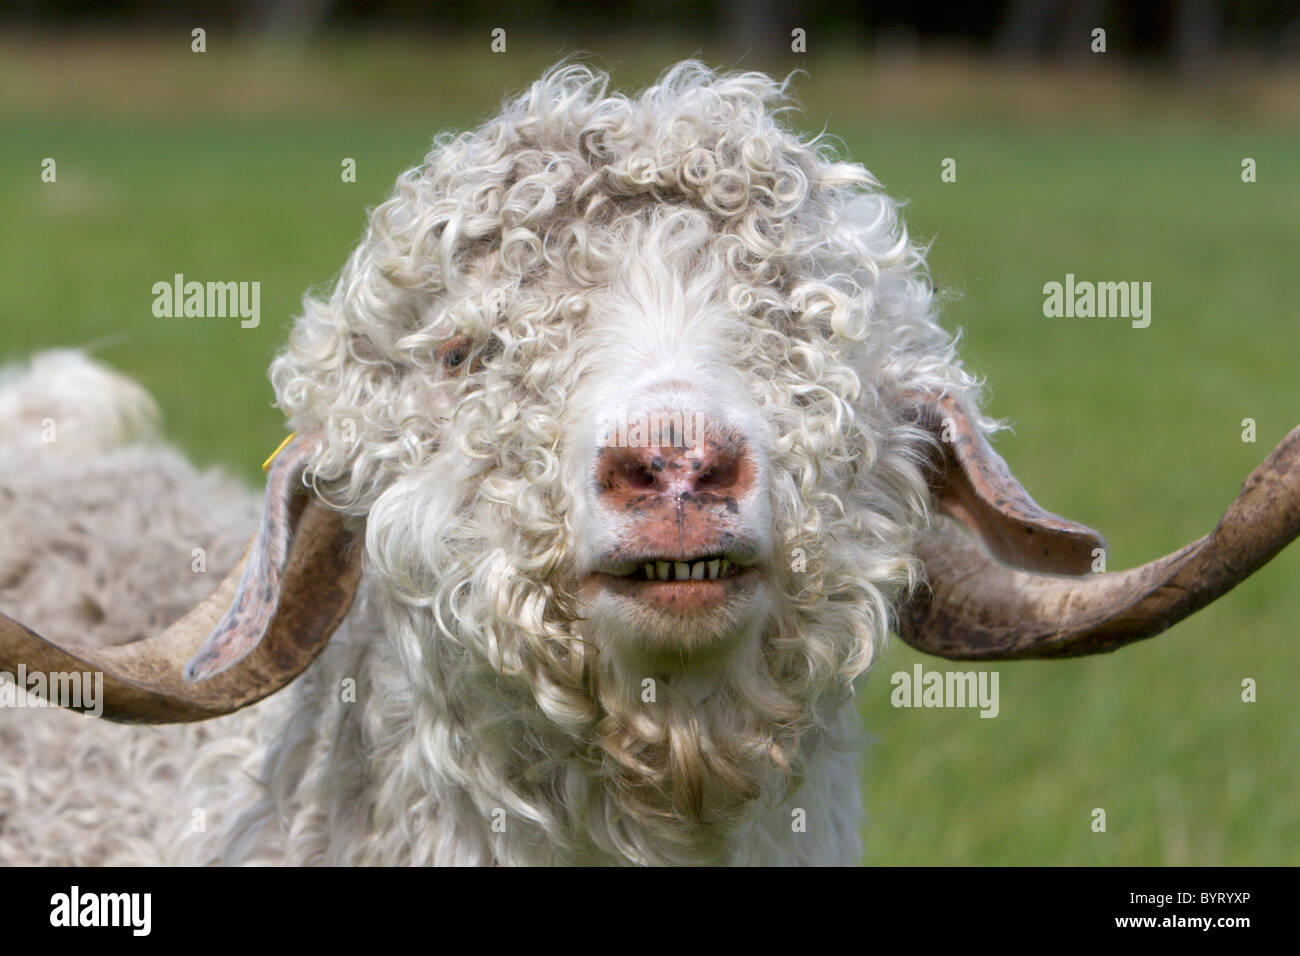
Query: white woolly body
pixel 679 250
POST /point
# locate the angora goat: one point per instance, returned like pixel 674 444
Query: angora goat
pixel 620 443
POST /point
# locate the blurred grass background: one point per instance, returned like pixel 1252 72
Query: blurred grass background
pixel 226 165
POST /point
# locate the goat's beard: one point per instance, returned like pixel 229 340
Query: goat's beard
pixel 530 709
pixel 690 753
pixel 659 772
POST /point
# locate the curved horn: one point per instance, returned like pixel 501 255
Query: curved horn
pixel 282 617
pixel 977 608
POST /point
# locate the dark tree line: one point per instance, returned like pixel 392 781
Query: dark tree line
pixel 1186 32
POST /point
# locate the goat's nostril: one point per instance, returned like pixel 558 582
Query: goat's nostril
pixel 628 470
pixel 721 475
pixel 710 468
pixel 638 474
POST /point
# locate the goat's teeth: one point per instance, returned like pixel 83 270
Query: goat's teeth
pixel 706 570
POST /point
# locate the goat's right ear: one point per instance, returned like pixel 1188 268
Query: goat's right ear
pixel 972 484
pixel 975 607
pixel 259 630
pixel 246 621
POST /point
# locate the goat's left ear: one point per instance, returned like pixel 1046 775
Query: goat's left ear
pixel 972 484
pixel 246 622
pixel 263 624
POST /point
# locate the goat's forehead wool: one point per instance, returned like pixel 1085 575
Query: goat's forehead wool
pixel 685 228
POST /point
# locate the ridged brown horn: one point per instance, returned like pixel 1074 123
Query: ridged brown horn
pixel 144 681
pixel 976 608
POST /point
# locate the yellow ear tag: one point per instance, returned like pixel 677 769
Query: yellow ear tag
pixel 267 464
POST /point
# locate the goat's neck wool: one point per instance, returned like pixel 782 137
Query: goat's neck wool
pixel 466 769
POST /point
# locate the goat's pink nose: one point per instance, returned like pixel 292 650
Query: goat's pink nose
pixel 709 468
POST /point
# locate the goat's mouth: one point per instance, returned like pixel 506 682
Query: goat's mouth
pixel 710 567
pixel 680 584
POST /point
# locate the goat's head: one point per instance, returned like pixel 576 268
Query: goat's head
pixel 626 389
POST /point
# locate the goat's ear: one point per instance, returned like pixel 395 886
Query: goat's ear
pixel 264 624
pixel 257 597
pixel 972 484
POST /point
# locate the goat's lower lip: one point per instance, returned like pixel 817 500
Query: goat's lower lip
pixel 678 597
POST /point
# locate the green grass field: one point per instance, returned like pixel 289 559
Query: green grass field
pixel 1136 432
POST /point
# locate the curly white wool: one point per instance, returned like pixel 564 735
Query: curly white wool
pixel 464 714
